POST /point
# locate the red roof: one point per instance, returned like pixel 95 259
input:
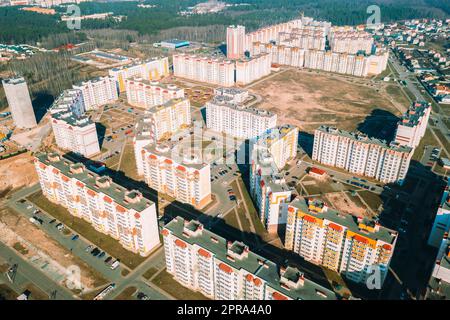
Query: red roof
pixel 152 156
pixel 204 253
pixel 91 193
pixel 291 209
pixel 335 227
pixel 387 247
pixel 257 282
pixel 168 161
pixel 309 219
pixel 317 171
pixel 225 268
pixel 180 243
pixel 359 238
pixel 165 232
pixel 137 216
pixel 55 171
pixel 121 209
pixel 79 184
pixel 278 296
pixel 107 199
pixel 181 168
pixel 249 277
pixel 65 178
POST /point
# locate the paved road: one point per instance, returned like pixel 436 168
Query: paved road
pixel 26 273
pixel 77 247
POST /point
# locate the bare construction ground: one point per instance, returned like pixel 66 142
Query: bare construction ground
pixel 17 172
pixel 309 99
pixel 44 252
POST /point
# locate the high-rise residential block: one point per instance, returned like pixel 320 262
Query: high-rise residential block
pixel 178 170
pixel 223 270
pixel 97 92
pixel 204 69
pixel 110 208
pixel 413 124
pixel 254 68
pixel 145 94
pixel 73 131
pixel 235 42
pixel 227 113
pixel 355 247
pixel 361 155
pixel 268 188
pixel 441 223
pixel 19 102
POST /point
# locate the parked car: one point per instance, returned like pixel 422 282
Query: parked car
pixel 52 221
pixel 75 237
pixel 142 296
pixel 88 248
pixel 115 264
pixel 101 255
pixel 108 260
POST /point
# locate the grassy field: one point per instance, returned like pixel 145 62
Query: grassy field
pixel 259 227
pixel 165 281
pixel 232 220
pixel 149 273
pixel 126 294
pixel 373 200
pixel 398 95
pixel 443 140
pixel 106 243
pixel 428 139
pixel 128 163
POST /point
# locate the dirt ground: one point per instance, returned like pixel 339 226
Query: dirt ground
pixel 16 231
pixel 17 172
pixel 308 100
pixel 342 203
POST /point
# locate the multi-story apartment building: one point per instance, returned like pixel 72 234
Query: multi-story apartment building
pixel 351 41
pixel 441 223
pixel 223 270
pixel 204 69
pixel 235 42
pixel 177 170
pixel 356 65
pixel 268 188
pixel 145 94
pixel 111 209
pixel 168 118
pixel 346 244
pixel 151 69
pixel 361 155
pixel 306 37
pixel 72 130
pixel 281 142
pixel 227 113
pixel 254 68
pixel 413 124
pixel 439 284
pixel 19 102
pixel 97 92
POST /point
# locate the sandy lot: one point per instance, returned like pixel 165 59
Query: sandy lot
pixel 308 99
pixel 34 244
pixel 17 172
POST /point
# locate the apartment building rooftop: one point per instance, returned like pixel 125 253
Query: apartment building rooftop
pixel 143 128
pixel 165 105
pixel 136 63
pixel 274 134
pixel 156 84
pixel 187 153
pixel 362 226
pixel 208 58
pixel 62 109
pixel 414 113
pixel 14 81
pixel 227 101
pixel 289 281
pixel 71 119
pixel 130 199
pixel 361 137
pixel 273 178
pixel 93 80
